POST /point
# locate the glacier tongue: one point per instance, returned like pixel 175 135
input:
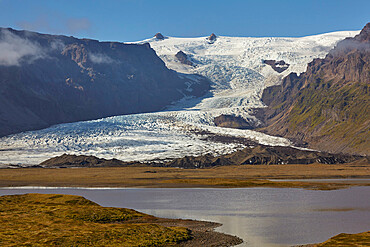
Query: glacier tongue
pixel 140 137
pixel 235 67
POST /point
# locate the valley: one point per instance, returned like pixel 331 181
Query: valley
pixel 234 130
pixel 238 76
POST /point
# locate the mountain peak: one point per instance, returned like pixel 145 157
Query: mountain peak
pixel 159 36
pixel 212 37
pixel 360 43
pixel 364 35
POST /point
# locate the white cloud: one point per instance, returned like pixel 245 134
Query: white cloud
pixel 100 58
pixel 14 49
pixel 57 45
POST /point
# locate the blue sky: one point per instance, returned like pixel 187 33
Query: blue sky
pixel 131 20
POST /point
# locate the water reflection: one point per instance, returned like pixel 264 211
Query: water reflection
pixel 261 216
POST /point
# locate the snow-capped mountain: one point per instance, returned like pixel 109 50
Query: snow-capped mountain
pixel 236 65
pixel 239 72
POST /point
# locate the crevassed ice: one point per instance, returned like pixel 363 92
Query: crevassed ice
pixel 139 137
pixel 233 64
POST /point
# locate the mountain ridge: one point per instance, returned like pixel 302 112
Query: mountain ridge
pixel 237 73
pixel 50 79
pixel 255 155
pixel 328 105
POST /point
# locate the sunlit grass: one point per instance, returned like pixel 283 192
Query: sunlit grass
pixel 245 183
pixel 344 240
pixel 226 176
pixel 65 220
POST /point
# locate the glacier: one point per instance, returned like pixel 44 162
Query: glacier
pixel 238 75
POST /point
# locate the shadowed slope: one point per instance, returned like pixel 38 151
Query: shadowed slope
pixel 51 79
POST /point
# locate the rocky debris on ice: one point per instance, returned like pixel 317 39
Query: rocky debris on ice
pixel 183 58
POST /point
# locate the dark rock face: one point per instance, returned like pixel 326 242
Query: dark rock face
pixel 257 155
pixel 67 161
pixel 183 58
pixel 49 79
pixel 229 121
pixel 328 105
pixel 263 155
pixel 278 66
pixel 191 162
pixel 212 37
pixel 159 36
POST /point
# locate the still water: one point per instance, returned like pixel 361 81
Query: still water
pixel 260 216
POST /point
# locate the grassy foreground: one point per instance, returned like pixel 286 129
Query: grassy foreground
pixel 66 220
pixel 344 240
pixel 226 176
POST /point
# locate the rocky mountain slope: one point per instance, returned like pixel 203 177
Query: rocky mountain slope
pixel 49 79
pixel 66 160
pixel 328 105
pixel 264 155
pixel 256 155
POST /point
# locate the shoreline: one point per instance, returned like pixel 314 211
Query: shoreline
pixel 308 185
pixel 244 176
pixel 68 210
pixel 207 184
pixel 204 232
